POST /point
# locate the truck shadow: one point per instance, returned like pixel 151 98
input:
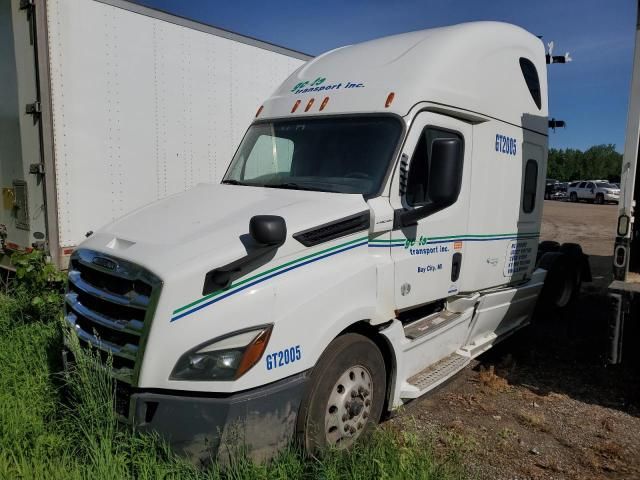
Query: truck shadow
pixel 565 353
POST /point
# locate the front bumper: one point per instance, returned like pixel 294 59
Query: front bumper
pixel 203 427
pixel 609 197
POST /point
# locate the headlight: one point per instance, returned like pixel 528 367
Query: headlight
pixel 223 358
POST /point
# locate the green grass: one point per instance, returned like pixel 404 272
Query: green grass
pixel 62 426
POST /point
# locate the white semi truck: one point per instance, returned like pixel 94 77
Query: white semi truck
pixel 624 291
pixel 376 230
pixel 106 106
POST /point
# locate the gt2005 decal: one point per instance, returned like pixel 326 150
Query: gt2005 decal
pixel 506 145
pixel 283 357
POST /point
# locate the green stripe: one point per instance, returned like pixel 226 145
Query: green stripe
pixel 266 272
pixel 483 236
pixel 461 236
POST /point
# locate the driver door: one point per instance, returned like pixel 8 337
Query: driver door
pixel 429 255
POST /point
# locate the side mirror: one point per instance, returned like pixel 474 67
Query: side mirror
pixel 445 172
pixel 268 230
pixel 444 181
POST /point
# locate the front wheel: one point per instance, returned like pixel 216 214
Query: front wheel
pixel 345 397
pixel 600 199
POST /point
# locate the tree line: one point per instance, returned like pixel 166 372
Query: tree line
pixel 598 162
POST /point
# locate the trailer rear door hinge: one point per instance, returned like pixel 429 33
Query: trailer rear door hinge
pixel 33 108
pixel 36 168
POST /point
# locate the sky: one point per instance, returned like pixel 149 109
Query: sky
pixel 590 93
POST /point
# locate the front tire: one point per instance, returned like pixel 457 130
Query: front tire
pixel 345 397
pixel 600 199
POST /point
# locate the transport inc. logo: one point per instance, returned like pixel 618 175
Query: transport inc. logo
pixel 320 84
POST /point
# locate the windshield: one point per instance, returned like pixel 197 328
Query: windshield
pixel 345 155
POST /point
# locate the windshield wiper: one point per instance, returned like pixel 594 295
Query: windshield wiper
pixel 291 186
pixel 232 182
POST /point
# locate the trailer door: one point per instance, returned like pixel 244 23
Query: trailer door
pixel 22 210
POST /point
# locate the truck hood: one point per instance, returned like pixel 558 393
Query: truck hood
pixel 206 226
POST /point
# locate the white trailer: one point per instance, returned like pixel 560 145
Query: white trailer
pixel 106 106
pixel 377 229
pixel 624 291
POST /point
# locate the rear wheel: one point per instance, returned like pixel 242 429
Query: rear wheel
pixel 573 197
pixel 563 280
pixel 346 395
pixel 600 199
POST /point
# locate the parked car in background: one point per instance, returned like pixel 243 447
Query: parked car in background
pixel 549 188
pixel 555 190
pixel 595 191
pixel 560 191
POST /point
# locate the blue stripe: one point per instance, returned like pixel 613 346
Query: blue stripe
pixel 260 280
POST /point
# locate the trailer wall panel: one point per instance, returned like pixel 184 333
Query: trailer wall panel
pixel 144 108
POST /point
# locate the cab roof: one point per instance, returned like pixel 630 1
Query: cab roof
pixel 474 66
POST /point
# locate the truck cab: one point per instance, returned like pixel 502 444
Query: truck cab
pixel 377 228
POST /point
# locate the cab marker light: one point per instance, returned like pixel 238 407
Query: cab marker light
pixel 387 104
pixel 306 109
pixel 324 103
pixel 295 106
pixel 259 110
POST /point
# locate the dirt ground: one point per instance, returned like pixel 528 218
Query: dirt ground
pixel 542 404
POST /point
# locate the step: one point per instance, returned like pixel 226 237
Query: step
pixel 430 323
pixel 434 375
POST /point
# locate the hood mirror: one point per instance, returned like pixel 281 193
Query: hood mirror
pixel 268 230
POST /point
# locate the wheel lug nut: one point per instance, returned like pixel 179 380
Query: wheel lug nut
pixel 352 430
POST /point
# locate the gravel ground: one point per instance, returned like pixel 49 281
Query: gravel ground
pixel 542 404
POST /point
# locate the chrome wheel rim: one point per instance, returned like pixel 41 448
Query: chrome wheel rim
pixel 349 407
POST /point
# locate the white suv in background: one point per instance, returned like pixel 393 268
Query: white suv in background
pixel 597 191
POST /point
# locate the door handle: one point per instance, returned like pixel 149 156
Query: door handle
pixel 456 264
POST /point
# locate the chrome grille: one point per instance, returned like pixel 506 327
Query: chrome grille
pixel 110 304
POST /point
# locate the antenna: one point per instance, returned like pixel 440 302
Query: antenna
pixel 551 58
